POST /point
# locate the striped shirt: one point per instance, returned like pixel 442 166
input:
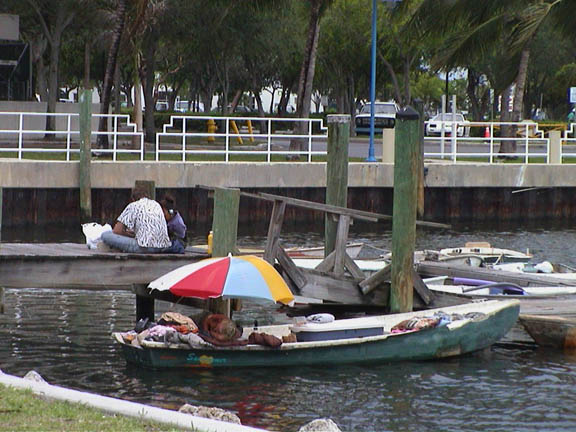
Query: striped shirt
pixel 146 218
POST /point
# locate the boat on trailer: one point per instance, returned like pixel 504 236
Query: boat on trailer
pixel 371 339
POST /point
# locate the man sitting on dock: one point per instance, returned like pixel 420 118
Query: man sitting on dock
pixel 141 228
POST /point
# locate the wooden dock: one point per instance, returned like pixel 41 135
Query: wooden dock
pixel 73 265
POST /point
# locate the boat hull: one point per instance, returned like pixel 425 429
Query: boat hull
pixel 427 344
pixel 551 331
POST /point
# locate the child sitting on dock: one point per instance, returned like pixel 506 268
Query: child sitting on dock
pixel 141 227
pixel 176 226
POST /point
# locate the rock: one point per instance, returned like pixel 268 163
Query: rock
pixel 320 425
pixel 210 413
pixel 34 376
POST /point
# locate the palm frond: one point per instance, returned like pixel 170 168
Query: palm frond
pixel 461 46
pixel 529 22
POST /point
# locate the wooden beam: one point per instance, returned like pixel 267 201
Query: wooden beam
pixel 340 244
pixel 85 181
pixel 404 209
pixel 382 275
pixel 421 289
pixel 295 273
pixel 336 178
pixel 310 205
pixel 431 269
pixel 274 229
pixel 327 264
pixel 337 289
pixel 352 267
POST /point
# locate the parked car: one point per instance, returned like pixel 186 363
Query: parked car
pixel 440 122
pixel 384 117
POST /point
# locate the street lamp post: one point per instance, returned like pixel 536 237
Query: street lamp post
pixel 371 157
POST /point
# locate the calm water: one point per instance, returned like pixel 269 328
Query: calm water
pixel 65 336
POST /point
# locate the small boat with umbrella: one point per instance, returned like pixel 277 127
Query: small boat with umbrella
pixel 314 340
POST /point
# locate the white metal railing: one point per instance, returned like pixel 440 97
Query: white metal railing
pixel 227 136
pixel 25 132
pixel 482 141
pixel 188 138
pixel 569 142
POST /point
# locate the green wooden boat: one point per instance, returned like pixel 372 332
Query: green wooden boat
pixel 474 326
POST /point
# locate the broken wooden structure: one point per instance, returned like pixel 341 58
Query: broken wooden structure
pixel 337 279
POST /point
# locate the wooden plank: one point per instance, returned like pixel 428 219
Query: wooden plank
pixel 85 182
pixel 431 269
pixel 343 290
pixel 327 264
pixel 336 179
pixel 404 209
pixel 383 275
pixel 274 229
pixel 421 289
pixel 113 272
pixel 355 214
pixel 353 268
pixel 286 263
pixel 340 244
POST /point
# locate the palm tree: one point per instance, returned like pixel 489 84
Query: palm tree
pixel 505 29
pixel 307 69
pixel 110 67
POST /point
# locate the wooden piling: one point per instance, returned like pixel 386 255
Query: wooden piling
pixel 419 106
pixel 336 174
pixel 149 185
pixel 145 305
pixel 85 155
pixel 225 233
pixel 1 202
pixel 404 211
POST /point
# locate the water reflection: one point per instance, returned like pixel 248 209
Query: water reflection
pixel 65 336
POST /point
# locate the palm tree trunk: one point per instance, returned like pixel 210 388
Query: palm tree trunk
pixel 306 81
pixel 109 74
pixel 510 146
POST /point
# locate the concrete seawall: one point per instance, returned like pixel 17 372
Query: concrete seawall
pixel 44 192
pixel 118 175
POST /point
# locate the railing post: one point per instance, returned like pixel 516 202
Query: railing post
pixel 336 174
pixel 404 209
pixel 85 154
pixel 20 135
pixel 555 147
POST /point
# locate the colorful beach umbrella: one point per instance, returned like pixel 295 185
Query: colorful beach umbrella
pixel 241 277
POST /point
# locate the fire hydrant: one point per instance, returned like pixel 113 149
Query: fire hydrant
pixel 212 128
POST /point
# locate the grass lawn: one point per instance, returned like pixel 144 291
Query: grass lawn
pixel 21 410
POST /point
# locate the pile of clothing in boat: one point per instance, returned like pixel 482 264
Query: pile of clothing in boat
pixel 211 330
pixel 439 319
